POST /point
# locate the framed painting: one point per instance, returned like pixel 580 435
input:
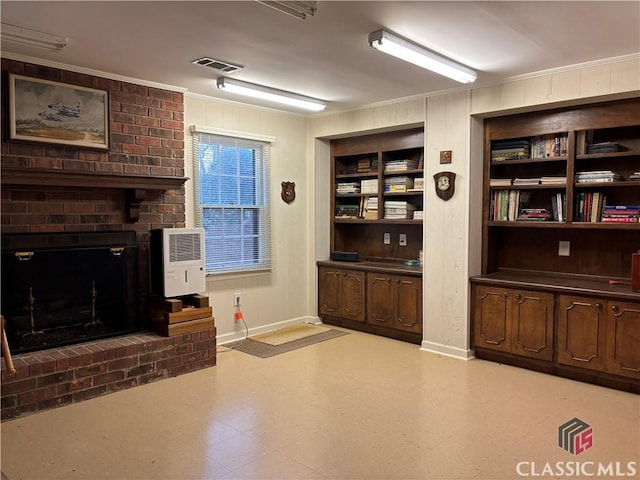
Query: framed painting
pixel 59 113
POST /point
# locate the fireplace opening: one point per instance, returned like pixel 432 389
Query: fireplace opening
pixel 65 288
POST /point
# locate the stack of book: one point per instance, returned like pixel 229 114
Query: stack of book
pixel 526 181
pixel 549 146
pixel 553 180
pixel 634 176
pixel 371 208
pixel 366 165
pixel 502 150
pixel 559 207
pixel 369 186
pixel 418 215
pixel 595 176
pixel 398 209
pixel 348 187
pixel 398 184
pixel 418 184
pixel 347 211
pixel 589 206
pixel 534 215
pixel 500 182
pixel 621 214
pixel 400 165
pixel 604 147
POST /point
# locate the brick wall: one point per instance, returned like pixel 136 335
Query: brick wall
pixel 146 138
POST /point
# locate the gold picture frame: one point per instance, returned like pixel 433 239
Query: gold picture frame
pixel 58 113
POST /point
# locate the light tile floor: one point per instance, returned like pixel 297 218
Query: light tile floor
pixel 354 407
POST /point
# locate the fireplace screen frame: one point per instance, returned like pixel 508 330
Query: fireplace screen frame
pixel 89 290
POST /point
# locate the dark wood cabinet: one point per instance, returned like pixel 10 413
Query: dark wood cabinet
pixel 561 210
pixel 376 297
pixel 514 321
pixel 394 301
pixel 342 293
pixel 599 334
pixel 582 332
pixel 623 339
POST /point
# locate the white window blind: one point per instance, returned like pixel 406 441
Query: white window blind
pixel 231 180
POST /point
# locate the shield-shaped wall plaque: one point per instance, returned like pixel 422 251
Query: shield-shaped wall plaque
pixel 288 193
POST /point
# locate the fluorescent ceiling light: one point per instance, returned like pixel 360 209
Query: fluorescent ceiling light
pixel 296 9
pixel 32 38
pixel 270 94
pixel 411 52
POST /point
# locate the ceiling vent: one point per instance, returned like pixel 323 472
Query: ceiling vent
pixel 217 65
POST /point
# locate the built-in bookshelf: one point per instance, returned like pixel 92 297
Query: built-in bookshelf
pixel 561 209
pixel 378 185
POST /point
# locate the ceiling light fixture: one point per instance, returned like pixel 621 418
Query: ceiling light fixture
pixel 270 94
pixel 299 10
pixel 418 55
pixel 31 38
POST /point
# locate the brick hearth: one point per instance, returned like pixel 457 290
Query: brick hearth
pixel 56 377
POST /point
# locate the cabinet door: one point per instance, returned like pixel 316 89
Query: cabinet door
pixel 329 291
pixel 532 324
pixel 581 332
pixel 353 295
pixel 408 303
pixel 491 325
pixel 623 339
pixel 379 299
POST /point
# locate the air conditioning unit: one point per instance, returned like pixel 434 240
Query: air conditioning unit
pixel 176 261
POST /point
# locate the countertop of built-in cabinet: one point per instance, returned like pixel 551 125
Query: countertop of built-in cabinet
pixel 390 267
pixel 570 284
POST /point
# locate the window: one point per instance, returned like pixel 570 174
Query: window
pixel 231 180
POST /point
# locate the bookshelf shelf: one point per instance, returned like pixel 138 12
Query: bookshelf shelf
pixel 544 284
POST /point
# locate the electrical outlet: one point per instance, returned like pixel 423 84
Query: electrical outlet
pixel 237 299
pixel 403 239
pixel 387 238
pixel 564 248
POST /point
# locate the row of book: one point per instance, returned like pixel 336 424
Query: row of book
pixel 512 205
pixel 507 182
pixel 536 147
pixel 592 207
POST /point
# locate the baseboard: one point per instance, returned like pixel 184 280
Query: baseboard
pixel 447 351
pixel 240 335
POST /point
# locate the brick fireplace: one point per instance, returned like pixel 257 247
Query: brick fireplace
pixel 137 185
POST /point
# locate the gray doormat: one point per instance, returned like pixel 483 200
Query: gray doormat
pixel 264 350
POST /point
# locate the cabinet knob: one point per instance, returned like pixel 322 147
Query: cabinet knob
pixel 615 308
pixel 398 283
pixel 518 297
pixel 505 294
pixel 598 306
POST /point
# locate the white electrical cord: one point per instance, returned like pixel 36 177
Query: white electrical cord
pixel 246 334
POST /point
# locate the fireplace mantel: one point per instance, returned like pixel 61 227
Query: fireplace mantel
pixel 135 185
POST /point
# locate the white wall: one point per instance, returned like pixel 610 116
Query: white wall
pixel 281 297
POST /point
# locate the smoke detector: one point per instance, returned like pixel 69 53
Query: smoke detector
pixel 219 65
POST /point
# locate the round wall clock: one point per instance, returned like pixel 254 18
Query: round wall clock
pixel 445 184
